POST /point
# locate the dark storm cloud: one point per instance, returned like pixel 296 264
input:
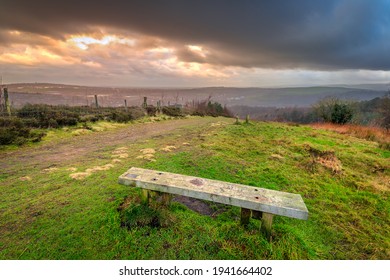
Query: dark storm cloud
pixel 312 34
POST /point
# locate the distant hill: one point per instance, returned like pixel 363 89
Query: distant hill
pixel 265 97
pixel 379 87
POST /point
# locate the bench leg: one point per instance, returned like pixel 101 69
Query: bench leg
pixel 166 199
pixel 245 216
pixel 145 196
pixel 266 224
pixel 258 215
pixel 148 195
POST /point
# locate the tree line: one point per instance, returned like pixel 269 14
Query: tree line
pixel 375 112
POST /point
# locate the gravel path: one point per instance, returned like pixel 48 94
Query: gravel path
pixel 85 146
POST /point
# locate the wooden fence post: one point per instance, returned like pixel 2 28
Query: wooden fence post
pixel 145 104
pixel 6 101
pixel 96 101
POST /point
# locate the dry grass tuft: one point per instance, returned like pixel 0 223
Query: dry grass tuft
pixel 99 168
pixel 168 148
pixel 148 151
pixel 327 159
pixel 25 178
pixel 377 134
pixel 49 170
pixel 73 169
pixel 147 154
pixel 80 175
pixel 276 156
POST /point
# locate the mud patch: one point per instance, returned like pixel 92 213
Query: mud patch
pixel 200 206
pixel 134 214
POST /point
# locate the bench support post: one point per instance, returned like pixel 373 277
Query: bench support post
pixel 266 224
pixel 166 199
pixel 245 216
pixel 258 215
pixel 145 196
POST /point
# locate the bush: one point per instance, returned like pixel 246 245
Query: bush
pixel 121 117
pixel 52 123
pixel 67 121
pixel 14 135
pixel 209 108
pixel 151 110
pixel 334 110
pixel 341 114
pixel 7 135
pixel 17 131
pixel 172 111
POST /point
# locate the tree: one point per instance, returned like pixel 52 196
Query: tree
pixel 334 110
pixel 341 113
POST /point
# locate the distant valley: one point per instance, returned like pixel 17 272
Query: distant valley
pixel 73 95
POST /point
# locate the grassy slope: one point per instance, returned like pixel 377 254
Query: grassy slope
pixel 53 216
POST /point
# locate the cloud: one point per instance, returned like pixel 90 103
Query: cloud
pixel 308 34
pixel 195 43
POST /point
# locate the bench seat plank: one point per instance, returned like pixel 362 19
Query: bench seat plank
pixel 258 199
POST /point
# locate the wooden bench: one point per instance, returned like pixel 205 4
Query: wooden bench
pixel 256 202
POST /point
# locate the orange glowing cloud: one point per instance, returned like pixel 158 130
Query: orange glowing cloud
pixel 109 52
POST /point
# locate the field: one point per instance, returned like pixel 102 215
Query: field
pixel 60 198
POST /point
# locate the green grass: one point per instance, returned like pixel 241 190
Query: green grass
pixel 52 216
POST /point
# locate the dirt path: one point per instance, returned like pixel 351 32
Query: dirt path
pixel 87 146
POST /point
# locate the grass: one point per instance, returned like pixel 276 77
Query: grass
pixel 52 216
pixel 377 134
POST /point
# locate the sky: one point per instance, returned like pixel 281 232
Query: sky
pixel 195 43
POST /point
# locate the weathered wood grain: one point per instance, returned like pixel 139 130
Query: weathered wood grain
pixel 258 199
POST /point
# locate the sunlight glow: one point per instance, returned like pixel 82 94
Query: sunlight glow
pixel 198 50
pixel 32 56
pixel 105 52
pixel 83 42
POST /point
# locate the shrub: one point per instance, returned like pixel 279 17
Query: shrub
pixel 52 123
pixel 7 135
pixel 121 117
pixel 151 110
pixel 341 114
pixel 334 110
pixel 172 111
pixel 209 108
pixel 66 121
pixel 17 131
